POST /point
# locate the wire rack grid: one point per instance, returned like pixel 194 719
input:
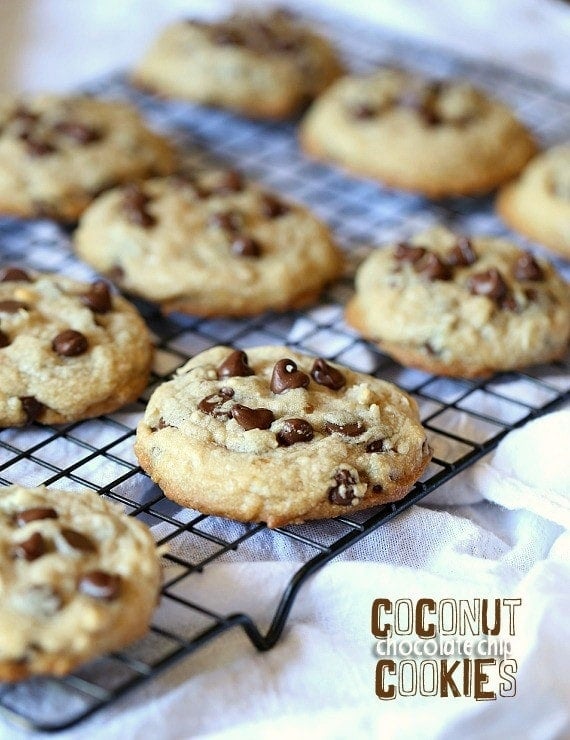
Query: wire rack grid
pixel 464 419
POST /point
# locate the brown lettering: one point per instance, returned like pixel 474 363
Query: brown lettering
pixel 385 666
pixel 421 606
pixel 480 678
pixel 377 629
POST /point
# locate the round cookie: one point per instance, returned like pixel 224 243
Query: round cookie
pixel 58 153
pixel 263 65
pixel 68 350
pixel 211 245
pixel 437 138
pixel 279 437
pixel 538 203
pixel 461 307
pixel 78 579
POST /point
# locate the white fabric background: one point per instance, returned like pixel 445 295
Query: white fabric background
pixel 320 678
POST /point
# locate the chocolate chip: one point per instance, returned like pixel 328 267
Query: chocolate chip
pixel 32 408
pixel 285 377
pixel 461 254
pixel 35 513
pixel 272 207
pixel 508 303
pixel 98 299
pixel 377 445
pixel 14 274
pixel 363 111
pixel 327 375
pixel 115 274
pixel 293 431
pixel 344 491
pixel 37 148
pixel 78 541
pixel 235 366
pixel 70 343
pixel 527 268
pixel 31 549
pixel 252 418
pixel 230 182
pixel 531 294
pixel 227 220
pixel 212 404
pixel 135 202
pixel 489 283
pixel 78 132
pixel 100 585
pixel 377 488
pixel 226 37
pixel 246 246
pixel 161 425
pixel 352 429
pixel 4 339
pixel 13 306
pixel 431 267
pixel 408 253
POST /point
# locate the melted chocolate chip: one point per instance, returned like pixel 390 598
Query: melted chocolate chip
pixel 13 306
pixel 293 431
pixel 508 303
pixel 461 254
pixel 363 111
pixel 227 220
pixel 431 267
pixel 408 253
pixel 230 182
pixel 489 283
pixel 98 299
pixel 78 541
pixel 100 585
pixel 377 445
pixel 246 246
pixel 377 488
pixel 527 268
pixel 31 549
pixel 70 343
pixel 327 375
pixel 235 366
pixel 352 429
pixel 252 418
pixel 36 147
pixel 343 493
pixel 272 207
pixel 32 408
pixel 14 274
pixel 80 133
pixel 35 513
pixel 135 202
pixel 285 377
pixel 4 339
pixel 212 404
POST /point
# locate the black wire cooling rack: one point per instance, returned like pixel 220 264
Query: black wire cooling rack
pixel 465 419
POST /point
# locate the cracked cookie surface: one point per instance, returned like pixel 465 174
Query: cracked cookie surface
pixel 439 138
pixel 78 579
pixel 280 437
pixel 263 65
pixel 208 244
pixel 68 350
pixel 461 306
pixel 58 153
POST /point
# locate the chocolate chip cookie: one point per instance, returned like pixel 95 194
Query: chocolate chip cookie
pixel 79 579
pixel 439 138
pixel 279 437
pixel 461 306
pixel 538 203
pixel 263 65
pixel 68 350
pixel 58 153
pixel 209 244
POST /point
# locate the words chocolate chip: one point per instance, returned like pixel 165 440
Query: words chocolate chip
pixel 461 254
pixel 246 246
pixel 135 202
pixel 14 274
pixel 252 418
pixel 272 207
pixel 212 404
pixel 293 431
pixel 98 299
pixel 408 253
pixel 32 515
pixel 489 283
pixel 235 366
pixel 70 343
pixel 285 377
pixel 31 549
pixel 344 491
pixel 13 306
pixel 527 268
pixel 327 375
pixel 32 408
pixel 77 540
pixel 100 585
pixel 353 429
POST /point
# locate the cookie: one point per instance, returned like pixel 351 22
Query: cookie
pixel 264 65
pixel 437 138
pixel 79 579
pixel 68 350
pixel 213 245
pixel 461 306
pixel 58 153
pixel 279 437
pixel 538 203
